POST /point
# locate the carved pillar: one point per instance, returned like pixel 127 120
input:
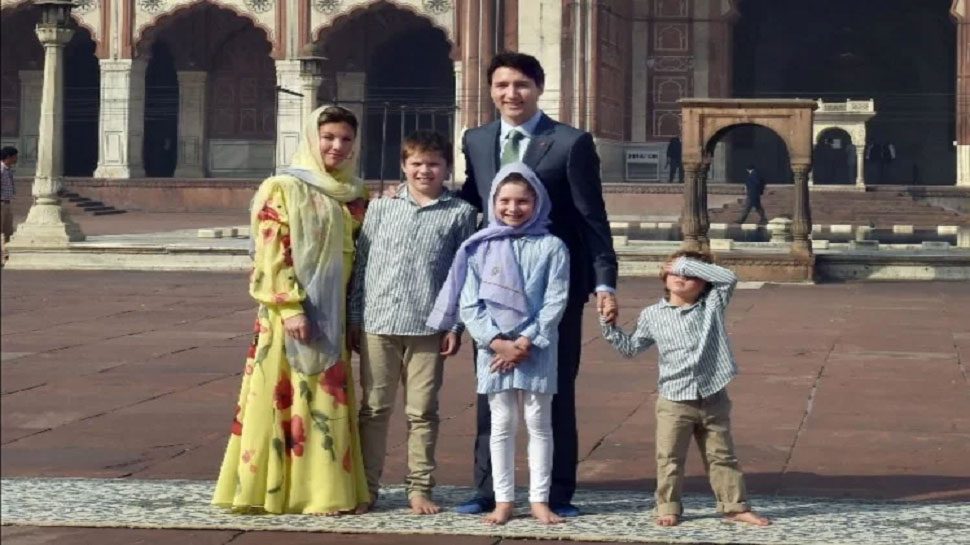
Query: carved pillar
pixel 289 110
pixel 802 214
pixel 690 216
pixel 701 189
pixel 963 96
pixel 47 225
pixel 860 157
pixel 121 123
pixel 31 88
pixel 191 139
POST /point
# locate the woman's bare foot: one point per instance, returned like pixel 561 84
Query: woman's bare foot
pixel 364 508
pixel 543 514
pixel 501 514
pixel 668 520
pixel 422 505
pixel 748 517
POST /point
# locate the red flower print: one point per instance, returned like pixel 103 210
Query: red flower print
pixel 346 463
pixel 249 368
pixel 283 394
pixel 236 424
pixel 252 350
pixel 334 382
pixel 280 298
pixel 268 213
pixel 294 435
pixel 268 234
pixel 357 208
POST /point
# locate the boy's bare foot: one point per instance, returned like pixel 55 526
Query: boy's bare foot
pixel 422 505
pixel 748 517
pixel 501 514
pixel 668 520
pixel 543 514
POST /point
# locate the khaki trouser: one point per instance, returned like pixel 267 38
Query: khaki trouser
pixel 6 220
pixel 415 362
pixel 708 421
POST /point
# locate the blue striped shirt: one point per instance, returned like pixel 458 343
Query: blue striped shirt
pixel 695 355
pixel 403 256
pixel 544 262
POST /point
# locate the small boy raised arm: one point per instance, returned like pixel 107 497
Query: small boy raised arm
pixel 696 365
pixel 404 253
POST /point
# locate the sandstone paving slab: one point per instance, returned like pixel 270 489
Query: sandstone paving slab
pixel 33 535
pixel 610 515
pixel 194 461
pixel 262 538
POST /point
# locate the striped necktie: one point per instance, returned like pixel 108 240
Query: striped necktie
pixel 510 152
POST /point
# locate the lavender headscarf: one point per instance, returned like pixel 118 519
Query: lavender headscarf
pixel 502 287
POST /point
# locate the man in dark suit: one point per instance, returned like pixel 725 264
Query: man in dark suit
pixel 754 186
pixel 566 162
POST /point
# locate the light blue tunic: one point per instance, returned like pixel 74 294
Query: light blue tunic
pixel 544 262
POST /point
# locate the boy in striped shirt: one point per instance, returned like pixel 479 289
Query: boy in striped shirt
pixel 696 364
pixel 405 250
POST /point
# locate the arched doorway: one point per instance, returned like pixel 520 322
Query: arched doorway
pixel 898 52
pixel 834 158
pixel 161 113
pixel 750 144
pixel 22 56
pixel 214 66
pixel 408 77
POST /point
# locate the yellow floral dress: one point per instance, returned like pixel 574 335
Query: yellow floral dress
pixel 294 446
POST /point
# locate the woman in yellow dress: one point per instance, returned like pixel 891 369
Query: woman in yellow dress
pixel 294 446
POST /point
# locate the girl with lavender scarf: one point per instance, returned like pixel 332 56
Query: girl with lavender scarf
pixel 509 284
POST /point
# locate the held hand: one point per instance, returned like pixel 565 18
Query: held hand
pixel 353 338
pixel 524 344
pixel 298 327
pixel 501 365
pixel 450 343
pixel 607 306
pixel 507 350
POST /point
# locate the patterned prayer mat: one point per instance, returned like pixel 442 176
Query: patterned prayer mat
pixel 609 515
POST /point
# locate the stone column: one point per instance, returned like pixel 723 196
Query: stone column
pixel 690 216
pixel 289 110
pixel 802 214
pixel 47 225
pixel 963 94
pixel 191 139
pixel 121 119
pixel 703 216
pixel 860 157
pixel 31 89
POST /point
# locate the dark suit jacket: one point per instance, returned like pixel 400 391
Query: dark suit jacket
pixel 754 185
pixel 566 162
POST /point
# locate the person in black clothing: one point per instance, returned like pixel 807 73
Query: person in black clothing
pixel 754 186
pixel 675 160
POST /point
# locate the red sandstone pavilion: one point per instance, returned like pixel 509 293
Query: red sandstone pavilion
pixel 188 89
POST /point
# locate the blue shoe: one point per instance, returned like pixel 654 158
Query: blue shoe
pixel 476 506
pixel 565 510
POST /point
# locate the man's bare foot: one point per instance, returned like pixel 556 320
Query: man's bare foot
pixel 668 520
pixel 422 505
pixel 748 517
pixel 501 514
pixel 543 514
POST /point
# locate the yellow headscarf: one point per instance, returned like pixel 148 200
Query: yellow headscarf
pixel 313 199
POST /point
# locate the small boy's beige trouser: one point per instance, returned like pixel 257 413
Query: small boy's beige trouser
pixel 708 421
pixel 416 363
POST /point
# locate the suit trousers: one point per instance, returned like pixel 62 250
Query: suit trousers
pixel 752 203
pixel 564 434
pixel 708 421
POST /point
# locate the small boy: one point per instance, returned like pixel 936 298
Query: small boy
pixel 696 365
pixel 405 250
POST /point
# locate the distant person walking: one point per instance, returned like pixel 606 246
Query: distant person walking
pixel 8 159
pixel 754 186
pixel 675 160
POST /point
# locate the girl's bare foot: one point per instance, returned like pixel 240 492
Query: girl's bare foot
pixel 748 517
pixel 501 514
pixel 422 505
pixel 668 520
pixel 543 514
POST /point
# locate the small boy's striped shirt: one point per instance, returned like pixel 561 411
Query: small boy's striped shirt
pixel 695 356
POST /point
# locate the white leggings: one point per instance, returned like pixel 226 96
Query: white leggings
pixel 505 407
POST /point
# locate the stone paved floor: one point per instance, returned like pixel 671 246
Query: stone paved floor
pixel 847 391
